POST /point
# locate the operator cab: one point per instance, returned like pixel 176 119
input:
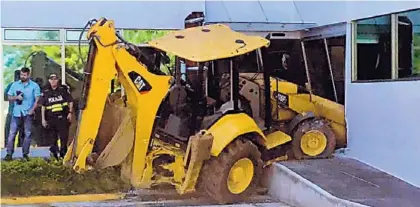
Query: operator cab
pixel 195 100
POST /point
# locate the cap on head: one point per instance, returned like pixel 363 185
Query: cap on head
pixel 53 76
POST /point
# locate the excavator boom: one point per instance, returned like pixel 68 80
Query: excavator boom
pixel 109 57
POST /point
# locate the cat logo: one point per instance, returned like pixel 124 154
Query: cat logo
pixel 141 84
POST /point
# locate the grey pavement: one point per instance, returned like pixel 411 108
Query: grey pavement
pixel 355 181
pixel 33 152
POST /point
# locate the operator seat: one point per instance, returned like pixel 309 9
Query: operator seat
pixel 178 99
pixel 179 112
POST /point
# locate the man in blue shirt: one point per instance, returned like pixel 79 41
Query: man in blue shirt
pixel 10 114
pixel 25 94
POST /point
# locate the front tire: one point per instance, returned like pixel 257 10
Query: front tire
pixel 234 175
pixel 313 138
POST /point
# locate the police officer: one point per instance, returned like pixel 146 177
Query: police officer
pixel 57 106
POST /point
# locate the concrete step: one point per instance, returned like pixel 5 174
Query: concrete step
pixel 339 181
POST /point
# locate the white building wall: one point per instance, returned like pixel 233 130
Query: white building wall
pixel 384 121
pixel 383 118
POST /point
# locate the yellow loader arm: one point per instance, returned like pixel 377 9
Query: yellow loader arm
pixel 107 58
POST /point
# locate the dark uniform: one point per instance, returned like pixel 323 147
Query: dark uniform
pixel 56 103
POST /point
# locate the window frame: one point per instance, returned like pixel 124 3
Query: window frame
pixel 394 50
pixel 76 41
pixel 6 40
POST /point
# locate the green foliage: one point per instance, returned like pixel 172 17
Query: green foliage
pixel 14 57
pixel 39 177
pixel 143 36
pixel 73 59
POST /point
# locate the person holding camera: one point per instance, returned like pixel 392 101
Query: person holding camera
pixel 10 114
pixel 57 108
pixel 25 93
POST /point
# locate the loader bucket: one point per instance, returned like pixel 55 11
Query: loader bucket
pixel 115 135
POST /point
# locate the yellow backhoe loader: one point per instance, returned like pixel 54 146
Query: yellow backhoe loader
pixel 316 125
pixel 177 131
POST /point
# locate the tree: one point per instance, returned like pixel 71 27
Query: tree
pixel 73 58
pixel 144 36
pixel 15 56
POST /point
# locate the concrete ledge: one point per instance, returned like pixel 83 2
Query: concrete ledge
pixel 291 188
pixel 58 199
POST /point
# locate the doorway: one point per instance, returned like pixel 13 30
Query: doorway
pixel 326 67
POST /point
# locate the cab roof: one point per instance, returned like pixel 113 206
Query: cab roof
pixel 206 43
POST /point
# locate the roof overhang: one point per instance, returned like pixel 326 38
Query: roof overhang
pixel 327 31
pixel 265 26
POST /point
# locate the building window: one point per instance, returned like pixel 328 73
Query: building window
pixel 409 44
pixel 31 35
pixel 373 49
pixel 73 35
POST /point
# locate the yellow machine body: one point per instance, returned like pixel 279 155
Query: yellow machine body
pixel 299 101
pixel 132 144
pixel 231 140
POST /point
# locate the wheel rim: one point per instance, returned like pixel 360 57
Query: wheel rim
pixel 313 143
pixel 240 176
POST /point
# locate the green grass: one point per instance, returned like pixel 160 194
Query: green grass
pixel 39 177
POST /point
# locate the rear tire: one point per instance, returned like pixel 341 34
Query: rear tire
pixel 319 134
pixel 215 172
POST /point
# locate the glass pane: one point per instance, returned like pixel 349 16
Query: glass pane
pixel 41 60
pixel 74 35
pixel 409 44
pixel 374 48
pixel 319 70
pixel 34 35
